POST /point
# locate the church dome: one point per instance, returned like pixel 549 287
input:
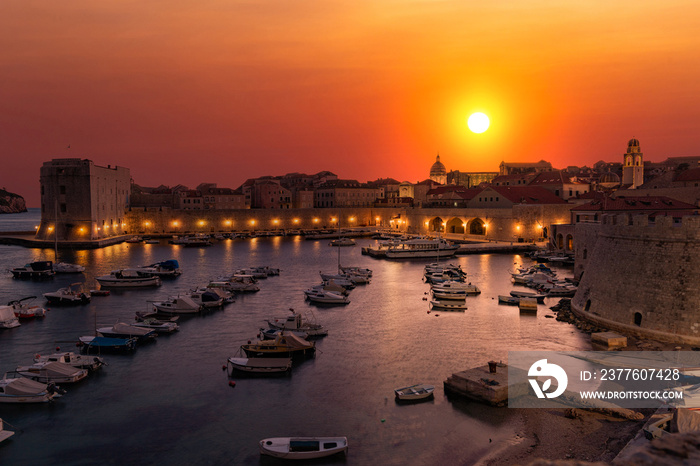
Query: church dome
pixel 633 143
pixel 609 177
pixel 438 169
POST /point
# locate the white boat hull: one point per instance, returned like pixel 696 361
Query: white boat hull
pixel 303 448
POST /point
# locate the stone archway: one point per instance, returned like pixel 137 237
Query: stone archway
pixel 455 225
pixel 569 243
pixel 477 227
pixel 436 225
pixel 560 241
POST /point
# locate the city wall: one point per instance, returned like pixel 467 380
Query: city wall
pixel 642 279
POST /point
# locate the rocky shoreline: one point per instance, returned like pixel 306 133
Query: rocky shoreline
pixel 11 203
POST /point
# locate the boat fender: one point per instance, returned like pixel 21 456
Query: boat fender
pixel 37 356
pixel 58 348
pixel 223 368
pixel 249 342
pixel 232 383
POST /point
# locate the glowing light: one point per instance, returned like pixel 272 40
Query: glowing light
pixel 478 122
pixel 36 227
pixel 201 223
pixel 176 223
pixel 352 219
pixel 252 222
pixel 276 222
pixel 228 223
pixel 333 219
pixel 148 224
pixel 486 225
pixel 517 227
pixel 315 220
pixel 50 228
pixel 539 227
pixel 81 230
pixel 296 220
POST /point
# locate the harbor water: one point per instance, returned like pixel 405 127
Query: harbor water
pixel 170 402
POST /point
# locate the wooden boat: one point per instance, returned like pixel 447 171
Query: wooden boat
pixel 283 346
pixel 414 392
pixel 303 448
pixel 4 434
pixel 56 372
pixel 449 295
pixel 127 278
pixel 18 389
pixel 529 294
pixel 24 310
pixel 72 359
pixel 297 322
pixel 449 306
pixel 259 365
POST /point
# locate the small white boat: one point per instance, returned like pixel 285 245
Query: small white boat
pixel 122 330
pixel 127 278
pixel 47 372
pixel 325 297
pixel 80 361
pixel 259 365
pixel 64 267
pixel 24 310
pixel 529 294
pixel 355 270
pixel 4 434
pixel 452 285
pixel 342 242
pixel 134 239
pixel 272 333
pixel 303 448
pixel 414 392
pixel 20 389
pixel 449 305
pixel 160 326
pixel 68 295
pixel 8 319
pixel 177 305
pixel 460 295
pixel 206 298
pixel 163 269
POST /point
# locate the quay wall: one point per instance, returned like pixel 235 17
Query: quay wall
pixel 643 279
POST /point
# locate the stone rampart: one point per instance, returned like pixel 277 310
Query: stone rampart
pixel 644 279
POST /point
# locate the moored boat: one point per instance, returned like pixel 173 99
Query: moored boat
pixel 160 326
pixel 303 448
pixel 8 319
pixel 177 305
pixel 53 371
pixel 122 330
pixel 511 300
pixel 24 310
pixel 259 365
pixel 68 295
pixel 342 242
pixel 4 434
pixel 38 270
pixel 283 346
pixel 297 322
pixel 127 278
pixel 64 267
pixel 164 269
pixel 421 248
pixel 18 389
pixel 325 297
pixel 98 344
pixel 528 294
pixel 449 305
pixel 414 392
pixel 76 360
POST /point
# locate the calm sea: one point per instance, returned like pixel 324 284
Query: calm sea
pixel 171 403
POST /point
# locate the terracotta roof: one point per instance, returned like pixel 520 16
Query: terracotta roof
pixel 461 191
pixel 528 195
pixel 550 178
pixel 692 174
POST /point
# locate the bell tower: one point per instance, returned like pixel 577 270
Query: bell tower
pixel 633 165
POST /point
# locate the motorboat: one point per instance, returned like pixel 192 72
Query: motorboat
pixel 23 308
pixel 8 319
pixel 135 239
pixel 436 278
pixel 510 300
pixel 18 389
pixel 343 280
pixel 282 346
pixel 141 316
pixel 38 270
pixel 76 360
pixel 448 305
pixel 254 272
pixel 64 267
pixel 561 291
pixel 127 278
pixel 527 294
pixel 330 285
pixel 52 371
pixel 355 270
pixel 177 305
pixel 122 330
pixel 455 286
pixel 99 344
pixel 160 326
pixel 259 366
pixel 164 269
pixel 297 322
pixel 206 298
pixel 272 333
pixel 325 297
pixel 236 283
pixel 196 241
pixel 68 295
pixel 342 242
pixel 4 434
pixel 414 392
pixel 303 448
pixel 227 296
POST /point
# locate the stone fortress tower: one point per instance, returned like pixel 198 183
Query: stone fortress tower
pixel 438 172
pixel 633 165
pixel 642 279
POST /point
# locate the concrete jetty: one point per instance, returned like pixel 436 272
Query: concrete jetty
pixel 481 384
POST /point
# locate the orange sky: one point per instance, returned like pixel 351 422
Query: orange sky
pixel 224 90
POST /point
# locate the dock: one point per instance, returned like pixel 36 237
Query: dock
pixel 27 240
pixel 481 384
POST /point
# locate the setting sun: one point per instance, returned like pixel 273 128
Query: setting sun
pixel 478 122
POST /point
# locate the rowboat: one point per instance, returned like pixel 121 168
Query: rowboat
pixel 259 365
pixel 449 306
pixel 414 392
pixel 302 448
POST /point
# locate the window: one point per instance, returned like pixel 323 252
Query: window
pixel 63 207
pixel 62 189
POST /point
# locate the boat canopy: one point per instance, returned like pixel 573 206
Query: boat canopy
pixel 170 264
pixel 24 387
pixel 293 341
